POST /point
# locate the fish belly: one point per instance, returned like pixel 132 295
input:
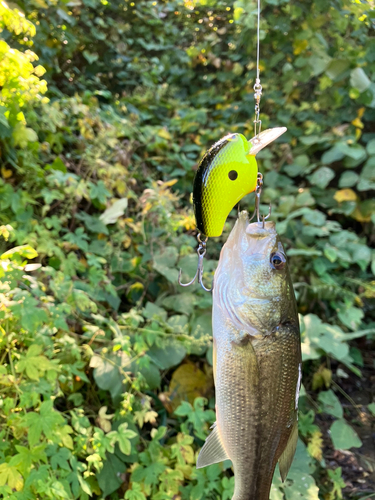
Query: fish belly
pixel 256 382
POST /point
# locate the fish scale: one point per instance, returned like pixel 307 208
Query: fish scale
pixel 256 361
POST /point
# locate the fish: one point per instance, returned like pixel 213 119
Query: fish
pixel 256 360
pixel 227 172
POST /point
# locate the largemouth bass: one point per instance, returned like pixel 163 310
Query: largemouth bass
pixel 256 360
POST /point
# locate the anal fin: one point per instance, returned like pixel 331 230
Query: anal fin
pixel 213 450
pixel 286 459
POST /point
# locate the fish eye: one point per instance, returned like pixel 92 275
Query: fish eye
pixel 233 174
pixel 277 260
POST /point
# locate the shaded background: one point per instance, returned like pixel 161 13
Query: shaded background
pixel 106 379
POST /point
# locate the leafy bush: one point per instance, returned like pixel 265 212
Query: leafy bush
pixel 106 377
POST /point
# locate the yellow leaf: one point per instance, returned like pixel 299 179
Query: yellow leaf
pixel 345 195
pixel 238 11
pixel 361 112
pixel 169 183
pixel 315 445
pixel 300 46
pixel 188 382
pixel 6 173
pixel 39 70
pixel 322 378
pixel 5 231
pixel 9 475
pixel 359 216
pixel 357 122
pixel 164 134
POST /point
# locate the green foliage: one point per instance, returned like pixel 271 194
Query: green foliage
pixel 106 385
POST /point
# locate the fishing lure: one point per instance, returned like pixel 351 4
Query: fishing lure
pixel 226 173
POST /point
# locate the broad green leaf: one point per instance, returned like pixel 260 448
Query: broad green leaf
pixel 25 457
pixel 348 179
pixel 322 177
pixel 331 403
pixel 109 478
pixel 46 421
pixel 359 80
pixel 371 407
pixel 107 372
pixel 34 363
pixel 344 436
pixel 152 310
pixel 169 354
pixel 164 263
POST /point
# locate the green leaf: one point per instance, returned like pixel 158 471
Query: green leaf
pixel 351 316
pixel 99 192
pixel 322 177
pixel 25 457
pixel 348 179
pixel 344 436
pixel 109 478
pixel 90 58
pixel 359 80
pixel 135 493
pixel 331 403
pixel 107 373
pixel 57 488
pixel 371 147
pixel 152 311
pixel 34 364
pixel 164 263
pixel 60 459
pixel 171 353
pixel 93 224
pixel 22 135
pixel 332 155
pixel 336 68
pixel 46 422
pixel 124 436
pixel 371 407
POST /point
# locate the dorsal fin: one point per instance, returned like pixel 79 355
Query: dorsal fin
pixel 286 459
pixel 213 450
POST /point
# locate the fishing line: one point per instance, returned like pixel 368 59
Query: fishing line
pixel 257 86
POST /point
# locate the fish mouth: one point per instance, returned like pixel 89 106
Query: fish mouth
pixel 250 239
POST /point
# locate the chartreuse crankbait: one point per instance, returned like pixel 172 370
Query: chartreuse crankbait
pixel 226 173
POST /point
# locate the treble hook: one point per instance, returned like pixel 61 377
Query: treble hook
pixel 201 251
pixel 258 192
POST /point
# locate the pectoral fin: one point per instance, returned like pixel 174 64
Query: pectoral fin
pixel 213 450
pixel 286 459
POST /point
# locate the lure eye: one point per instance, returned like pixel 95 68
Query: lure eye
pixel 233 175
pixel 277 260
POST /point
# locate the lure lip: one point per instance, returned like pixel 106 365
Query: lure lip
pixel 257 143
